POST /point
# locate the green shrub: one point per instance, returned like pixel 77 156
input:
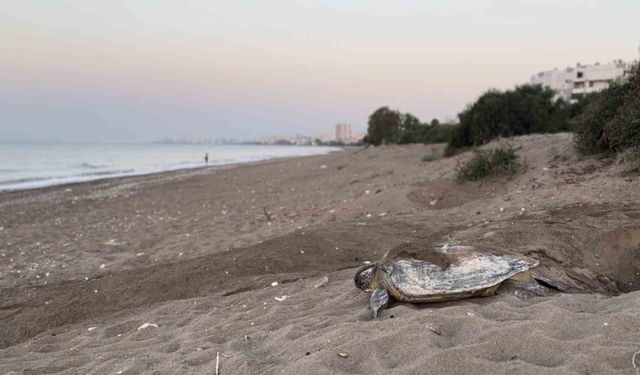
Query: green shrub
pixel 392 126
pixel 524 110
pixel 503 159
pixel 611 121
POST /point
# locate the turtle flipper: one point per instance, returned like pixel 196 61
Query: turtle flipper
pixel 523 289
pixel 379 299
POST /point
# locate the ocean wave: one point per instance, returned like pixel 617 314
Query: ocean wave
pixel 55 180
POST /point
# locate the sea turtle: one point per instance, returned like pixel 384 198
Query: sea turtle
pixel 415 273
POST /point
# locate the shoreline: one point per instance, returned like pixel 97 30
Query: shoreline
pixel 161 173
pixel 30 183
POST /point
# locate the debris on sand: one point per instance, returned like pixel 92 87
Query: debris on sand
pixel 147 325
pixel 321 282
pixel 280 299
pixel 343 355
pixel 434 329
pixel 91 328
pixel 275 283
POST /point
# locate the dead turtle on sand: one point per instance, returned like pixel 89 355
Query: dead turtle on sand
pixel 414 273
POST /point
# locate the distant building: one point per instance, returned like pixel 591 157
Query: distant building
pixel 573 82
pixel 343 133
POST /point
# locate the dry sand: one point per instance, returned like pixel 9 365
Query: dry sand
pixel 195 253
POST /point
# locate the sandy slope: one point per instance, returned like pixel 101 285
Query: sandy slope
pixel 194 253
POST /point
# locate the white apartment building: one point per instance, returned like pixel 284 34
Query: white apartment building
pixel 343 133
pixel 572 82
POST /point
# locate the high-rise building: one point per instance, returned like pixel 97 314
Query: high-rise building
pixel 343 133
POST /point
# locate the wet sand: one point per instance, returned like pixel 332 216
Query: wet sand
pixel 195 253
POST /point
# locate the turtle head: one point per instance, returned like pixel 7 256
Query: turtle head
pixel 366 279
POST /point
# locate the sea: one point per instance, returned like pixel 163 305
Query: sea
pixel 28 165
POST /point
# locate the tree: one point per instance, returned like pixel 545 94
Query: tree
pixel 385 126
pixel 526 109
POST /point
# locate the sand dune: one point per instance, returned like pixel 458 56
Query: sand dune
pixel 195 253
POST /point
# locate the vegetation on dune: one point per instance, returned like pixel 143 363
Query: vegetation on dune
pixel 498 160
pixel 610 122
pixel 524 110
pixel 388 126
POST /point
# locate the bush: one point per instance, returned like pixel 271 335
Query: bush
pixel 392 126
pixel 611 121
pixel 491 161
pixel 437 133
pixel 524 110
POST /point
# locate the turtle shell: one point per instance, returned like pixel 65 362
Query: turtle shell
pixel 468 273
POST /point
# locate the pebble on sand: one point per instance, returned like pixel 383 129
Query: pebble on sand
pixel 280 299
pixel 147 325
pixel 321 282
pixel 91 328
pixel 343 355
pixel 275 283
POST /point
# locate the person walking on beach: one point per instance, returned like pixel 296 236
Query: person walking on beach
pixel 206 158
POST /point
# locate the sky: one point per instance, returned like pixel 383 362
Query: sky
pixel 150 69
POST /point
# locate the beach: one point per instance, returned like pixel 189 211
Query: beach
pixel 249 268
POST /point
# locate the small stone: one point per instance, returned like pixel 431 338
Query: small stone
pixel 343 355
pixel 147 325
pixel 91 328
pixel 280 299
pixel 102 266
pixel 275 283
pixel 501 209
pixel 301 251
pixel 489 234
pixel 434 330
pixel 321 282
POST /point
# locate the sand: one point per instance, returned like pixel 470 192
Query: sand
pixel 197 255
